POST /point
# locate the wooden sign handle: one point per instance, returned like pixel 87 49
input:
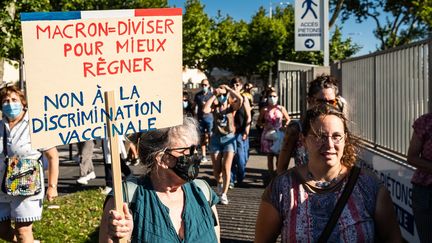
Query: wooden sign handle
pixel 115 157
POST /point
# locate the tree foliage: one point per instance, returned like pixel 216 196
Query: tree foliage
pixel 196 35
pixel 241 47
pixel 398 22
pixel 230 45
pixel 10 25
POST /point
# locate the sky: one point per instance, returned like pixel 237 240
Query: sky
pixel 360 33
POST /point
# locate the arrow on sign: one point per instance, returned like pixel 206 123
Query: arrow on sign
pixel 309 43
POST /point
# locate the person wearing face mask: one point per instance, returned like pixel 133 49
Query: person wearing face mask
pixel 271 118
pixel 223 140
pixel 14 128
pixel 205 120
pixel 168 205
pixel 187 105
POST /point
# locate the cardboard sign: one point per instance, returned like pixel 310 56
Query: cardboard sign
pixel 308 25
pixel 72 58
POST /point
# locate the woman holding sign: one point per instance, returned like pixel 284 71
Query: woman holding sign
pixel 23 203
pixel 167 204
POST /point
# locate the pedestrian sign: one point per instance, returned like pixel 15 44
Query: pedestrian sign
pixel 308 25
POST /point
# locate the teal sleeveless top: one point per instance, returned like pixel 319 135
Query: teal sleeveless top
pixel 153 224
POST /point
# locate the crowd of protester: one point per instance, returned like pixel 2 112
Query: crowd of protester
pixel 323 196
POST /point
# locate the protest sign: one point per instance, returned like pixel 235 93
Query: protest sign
pixel 72 58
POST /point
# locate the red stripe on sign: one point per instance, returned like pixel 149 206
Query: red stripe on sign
pixel 158 12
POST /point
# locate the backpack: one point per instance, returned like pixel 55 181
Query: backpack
pixel 131 184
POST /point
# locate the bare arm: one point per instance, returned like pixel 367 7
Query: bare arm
pixel 287 149
pixel 53 172
pixel 268 224
pixel 260 120
pixel 286 116
pixel 208 105
pixel 248 112
pixel 115 224
pixel 386 224
pixel 217 227
pixel 238 98
pixel 414 155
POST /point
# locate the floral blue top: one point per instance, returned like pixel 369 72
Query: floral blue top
pixel 305 212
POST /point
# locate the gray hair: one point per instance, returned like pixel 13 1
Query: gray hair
pixel 153 142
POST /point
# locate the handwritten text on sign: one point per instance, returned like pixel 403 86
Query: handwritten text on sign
pixel 73 57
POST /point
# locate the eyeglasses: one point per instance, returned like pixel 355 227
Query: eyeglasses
pixel 184 159
pixel 333 102
pixel 192 149
pixel 321 139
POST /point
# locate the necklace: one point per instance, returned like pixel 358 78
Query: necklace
pixel 323 184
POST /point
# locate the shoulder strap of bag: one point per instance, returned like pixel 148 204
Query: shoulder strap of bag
pixel 205 188
pixel 340 205
pixel 130 186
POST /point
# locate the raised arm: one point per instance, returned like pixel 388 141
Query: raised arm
pixel 238 98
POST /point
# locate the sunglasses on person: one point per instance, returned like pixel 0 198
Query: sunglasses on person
pixel 192 150
pixel 187 165
pixel 333 102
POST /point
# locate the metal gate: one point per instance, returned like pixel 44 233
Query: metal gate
pixel 291 88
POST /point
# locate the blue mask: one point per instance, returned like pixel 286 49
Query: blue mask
pixel 12 110
pixel 222 99
pixel 205 89
pixel 185 104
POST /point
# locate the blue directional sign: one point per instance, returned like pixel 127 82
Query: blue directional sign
pixel 309 43
pixel 308 25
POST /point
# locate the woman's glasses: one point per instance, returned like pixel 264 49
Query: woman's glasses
pixel 192 149
pixel 321 139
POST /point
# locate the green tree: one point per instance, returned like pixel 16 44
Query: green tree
pixel 196 35
pixel 229 45
pixel 398 22
pixel 341 49
pixel 425 11
pixel 267 37
pixel 10 25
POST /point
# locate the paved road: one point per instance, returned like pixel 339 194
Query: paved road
pixel 237 219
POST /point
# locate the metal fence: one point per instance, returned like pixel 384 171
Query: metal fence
pixel 292 83
pixel 291 87
pixel 386 91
